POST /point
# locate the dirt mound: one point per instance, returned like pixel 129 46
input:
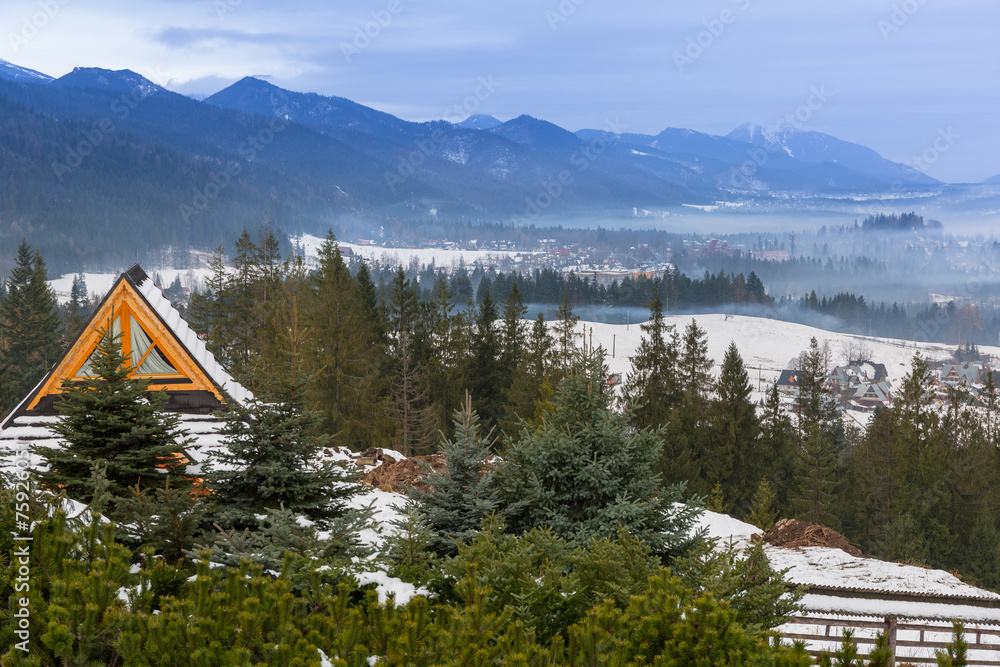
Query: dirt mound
pixel 793 533
pixel 396 476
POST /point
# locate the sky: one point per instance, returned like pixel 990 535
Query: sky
pixel 916 80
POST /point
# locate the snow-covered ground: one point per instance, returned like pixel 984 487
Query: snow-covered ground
pixel 767 347
pixel 396 256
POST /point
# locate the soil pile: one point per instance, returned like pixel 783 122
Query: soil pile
pixel 792 533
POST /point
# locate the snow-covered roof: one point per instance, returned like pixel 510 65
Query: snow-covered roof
pixel 839 583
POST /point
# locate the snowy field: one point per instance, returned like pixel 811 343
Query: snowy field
pixel 404 256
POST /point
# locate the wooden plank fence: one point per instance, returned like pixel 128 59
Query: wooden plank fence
pixel 892 627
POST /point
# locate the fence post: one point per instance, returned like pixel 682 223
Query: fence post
pixel 890 635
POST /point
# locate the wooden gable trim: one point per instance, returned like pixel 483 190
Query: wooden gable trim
pixel 125 299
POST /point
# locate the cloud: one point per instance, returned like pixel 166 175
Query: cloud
pixel 188 38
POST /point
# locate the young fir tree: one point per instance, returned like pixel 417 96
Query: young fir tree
pixel 586 472
pixel 29 327
pixel 734 456
pixel 763 506
pixel 270 459
pixel 113 420
pixel 458 498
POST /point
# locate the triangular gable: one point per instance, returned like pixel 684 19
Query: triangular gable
pixel 162 347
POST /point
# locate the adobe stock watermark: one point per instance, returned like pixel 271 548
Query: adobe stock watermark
pixel 553 188
pixel 944 140
pixel 36 22
pixel 365 34
pixel 248 149
pixel 698 43
pixel 121 107
pixel 899 17
pixel 561 14
pixel 757 156
pixel 225 7
pixel 425 147
pixel 20 558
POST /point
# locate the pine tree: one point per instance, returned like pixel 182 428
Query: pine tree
pixel 29 327
pixel 114 420
pixel 458 498
pixel 734 456
pixel 269 458
pixel 513 336
pixel 586 472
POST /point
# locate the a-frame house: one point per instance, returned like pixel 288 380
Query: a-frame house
pixel 162 348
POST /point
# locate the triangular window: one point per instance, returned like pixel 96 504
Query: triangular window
pixel 147 357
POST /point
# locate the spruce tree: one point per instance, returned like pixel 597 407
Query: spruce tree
pixel 270 458
pixel 652 389
pixel 458 498
pixel 347 392
pixel 815 485
pixel 29 327
pixel 565 326
pixel 113 420
pixel 530 394
pixel 734 457
pixel 777 446
pixel 586 472
pixel 484 372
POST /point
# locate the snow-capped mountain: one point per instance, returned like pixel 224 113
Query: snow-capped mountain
pixel 12 72
pixel 818 148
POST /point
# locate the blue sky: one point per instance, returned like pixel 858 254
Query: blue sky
pixel 899 72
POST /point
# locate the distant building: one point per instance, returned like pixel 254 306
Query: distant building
pixel 770 255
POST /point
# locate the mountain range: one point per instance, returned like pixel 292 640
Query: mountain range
pixel 111 151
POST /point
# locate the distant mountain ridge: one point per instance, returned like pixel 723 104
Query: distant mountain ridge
pixel 308 157
pixel 11 72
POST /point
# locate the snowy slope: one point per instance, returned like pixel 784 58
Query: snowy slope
pixel 767 346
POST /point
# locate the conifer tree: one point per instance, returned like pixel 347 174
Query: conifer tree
pixel 531 390
pixel 512 334
pixel 652 389
pixel 815 493
pixel 763 509
pixel 734 456
pixel 114 420
pixel 270 458
pixel 416 423
pixel 458 498
pixel 777 446
pixel 565 325
pixel 586 472
pixel 29 327
pixel 484 372
pixel 347 391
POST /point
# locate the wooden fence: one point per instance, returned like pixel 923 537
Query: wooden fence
pixel 915 636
